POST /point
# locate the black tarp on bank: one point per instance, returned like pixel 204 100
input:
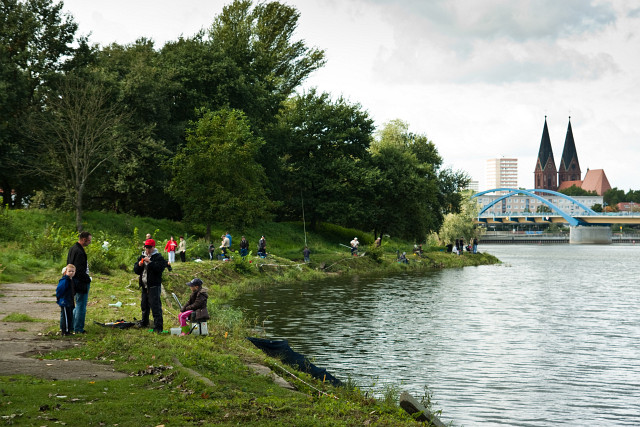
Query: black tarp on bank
pixel 280 349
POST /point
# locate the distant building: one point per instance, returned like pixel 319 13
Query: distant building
pixel 473 186
pixel 594 180
pixel 502 173
pixel 545 173
pixel 569 174
pixel 523 204
pixel 628 207
pixel 569 169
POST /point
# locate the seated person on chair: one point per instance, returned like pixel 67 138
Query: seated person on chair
pixel 197 300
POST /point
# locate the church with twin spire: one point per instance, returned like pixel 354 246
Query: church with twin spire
pixel 547 177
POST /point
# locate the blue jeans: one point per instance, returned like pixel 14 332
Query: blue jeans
pixel 80 311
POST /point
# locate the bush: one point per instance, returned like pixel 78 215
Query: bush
pixel 52 243
pixel 197 249
pixel 242 265
pixel 375 253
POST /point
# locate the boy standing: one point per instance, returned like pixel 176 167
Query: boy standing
pixel 64 298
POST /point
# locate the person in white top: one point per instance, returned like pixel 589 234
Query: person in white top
pixel 354 246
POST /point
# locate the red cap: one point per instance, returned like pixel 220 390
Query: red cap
pixel 149 242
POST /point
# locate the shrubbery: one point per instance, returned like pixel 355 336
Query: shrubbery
pixel 375 253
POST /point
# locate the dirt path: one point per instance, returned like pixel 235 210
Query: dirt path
pixel 21 341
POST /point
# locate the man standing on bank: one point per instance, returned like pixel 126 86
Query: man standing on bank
pixel 149 267
pixel 81 281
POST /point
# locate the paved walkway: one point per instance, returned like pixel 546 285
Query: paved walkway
pixel 21 342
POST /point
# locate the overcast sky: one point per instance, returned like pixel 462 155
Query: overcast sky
pixel 476 76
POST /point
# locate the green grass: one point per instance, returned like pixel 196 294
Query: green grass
pixel 19 318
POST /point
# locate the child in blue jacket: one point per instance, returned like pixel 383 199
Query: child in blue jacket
pixel 64 298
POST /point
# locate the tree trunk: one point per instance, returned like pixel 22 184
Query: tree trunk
pixel 208 233
pixel 79 211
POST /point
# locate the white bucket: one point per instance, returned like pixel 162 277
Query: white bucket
pixel 201 329
pixel 176 331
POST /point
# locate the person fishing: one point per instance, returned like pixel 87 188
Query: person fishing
pixel 149 268
pixel 197 301
pixel 354 246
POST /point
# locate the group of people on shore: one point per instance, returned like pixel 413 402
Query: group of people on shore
pixel 226 247
pixel 171 246
pixel 459 246
pixel 72 292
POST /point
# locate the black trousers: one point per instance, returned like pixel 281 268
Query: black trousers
pixel 182 256
pixel 150 302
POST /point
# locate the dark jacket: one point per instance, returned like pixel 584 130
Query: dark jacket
pixel 244 244
pixel 196 300
pixel 64 292
pixel 154 270
pixel 78 257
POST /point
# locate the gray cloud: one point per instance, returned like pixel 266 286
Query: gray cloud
pixel 493 41
pixel 517 20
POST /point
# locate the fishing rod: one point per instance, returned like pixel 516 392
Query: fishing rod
pixel 175 297
pixel 304 223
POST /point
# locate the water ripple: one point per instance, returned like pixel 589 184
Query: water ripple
pixel 552 336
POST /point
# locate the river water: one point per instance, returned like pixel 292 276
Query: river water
pixel 551 336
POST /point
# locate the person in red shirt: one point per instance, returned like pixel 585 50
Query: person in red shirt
pixel 170 248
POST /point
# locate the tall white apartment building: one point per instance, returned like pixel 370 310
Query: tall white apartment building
pixel 502 173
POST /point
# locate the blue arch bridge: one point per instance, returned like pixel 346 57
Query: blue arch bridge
pixel 586 225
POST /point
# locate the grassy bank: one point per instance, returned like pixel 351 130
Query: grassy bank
pixel 193 380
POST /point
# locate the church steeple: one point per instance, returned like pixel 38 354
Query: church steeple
pixel 545 173
pixel 569 166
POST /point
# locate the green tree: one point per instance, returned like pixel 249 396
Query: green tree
pixel 247 59
pixel 456 225
pixel 614 196
pixel 35 42
pixel 202 77
pixel 141 85
pixel 75 136
pixel 577 191
pixel 322 145
pixel 216 175
pixel 410 194
pixel 258 41
pixel 633 196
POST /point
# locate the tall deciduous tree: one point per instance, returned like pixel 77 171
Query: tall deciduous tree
pixel 144 88
pixel 35 41
pixel 75 135
pixel 411 194
pixel 216 175
pixel 258 40
pixel 322 147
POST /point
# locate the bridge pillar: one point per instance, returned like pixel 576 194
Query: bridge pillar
pixel 589 234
